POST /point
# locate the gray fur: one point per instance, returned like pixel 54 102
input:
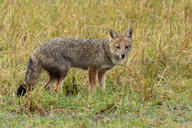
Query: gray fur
pixel 57 55
pixel 73 52
pixel 129 33
pixel 113 34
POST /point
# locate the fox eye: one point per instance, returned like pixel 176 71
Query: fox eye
pixel 127 47
pixel 118 47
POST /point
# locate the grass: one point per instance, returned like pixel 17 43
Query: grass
pixel 152 88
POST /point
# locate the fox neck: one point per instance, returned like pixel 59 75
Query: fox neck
pixel 109 53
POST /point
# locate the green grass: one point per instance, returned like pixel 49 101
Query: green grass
pixel 152 88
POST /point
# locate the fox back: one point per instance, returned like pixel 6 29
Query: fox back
pixel 81 53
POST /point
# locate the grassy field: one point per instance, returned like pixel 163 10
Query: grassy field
pixel 152 88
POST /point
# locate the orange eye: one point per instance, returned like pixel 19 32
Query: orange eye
pixel 127 47
pixel 118 47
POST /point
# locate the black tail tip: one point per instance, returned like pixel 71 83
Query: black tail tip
pixel 21 91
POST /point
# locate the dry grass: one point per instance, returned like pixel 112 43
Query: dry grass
pixel 152 88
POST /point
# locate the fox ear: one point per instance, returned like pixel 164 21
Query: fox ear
pixel 113 34
pixel 129 33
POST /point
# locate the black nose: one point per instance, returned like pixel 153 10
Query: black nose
pixel 123 56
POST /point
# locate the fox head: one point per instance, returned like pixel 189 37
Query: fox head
pixel 120 45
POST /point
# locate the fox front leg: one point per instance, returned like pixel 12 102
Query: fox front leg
pixel 92 79
pixel 101 77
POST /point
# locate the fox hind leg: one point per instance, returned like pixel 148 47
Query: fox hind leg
pixel 50 83
pixel 59 86
pixel 60 78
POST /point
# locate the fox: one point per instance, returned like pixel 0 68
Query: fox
pixel 58 55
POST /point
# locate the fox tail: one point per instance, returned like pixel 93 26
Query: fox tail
pixel 31 77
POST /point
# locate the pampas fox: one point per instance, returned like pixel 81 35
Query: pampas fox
pixel 58 55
